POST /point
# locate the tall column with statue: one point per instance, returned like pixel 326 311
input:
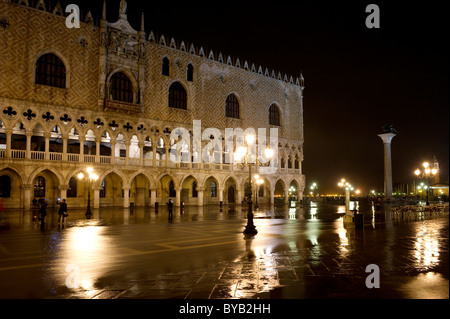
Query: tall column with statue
pixel 387 136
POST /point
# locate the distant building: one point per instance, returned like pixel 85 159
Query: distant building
pixel 108 96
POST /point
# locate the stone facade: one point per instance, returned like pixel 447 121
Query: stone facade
pixel 56 132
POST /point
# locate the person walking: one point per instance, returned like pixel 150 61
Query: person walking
pixel 170 209
pixel 62 212
pixel 43 212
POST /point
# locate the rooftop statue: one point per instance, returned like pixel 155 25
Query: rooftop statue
pixel 389 129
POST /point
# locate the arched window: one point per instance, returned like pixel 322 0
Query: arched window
pixel 165 66
pixel 121 88
pixel 5 186
pixel 296 164
pixel 177 96
pixel 213 189
pixel 274 115
pixel 232 106
pixel 172 192
pixel 190 73
pixel 50 70
pixel 261 191
pixel 289 162
pixel 194 189
pixel 39 187
pixel 282 162
pixel 73 185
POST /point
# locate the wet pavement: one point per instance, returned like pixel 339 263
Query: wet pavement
pixel 304 252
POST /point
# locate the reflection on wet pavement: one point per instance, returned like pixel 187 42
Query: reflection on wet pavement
pixel 304 252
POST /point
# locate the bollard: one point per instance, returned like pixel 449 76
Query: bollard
pixel 359 221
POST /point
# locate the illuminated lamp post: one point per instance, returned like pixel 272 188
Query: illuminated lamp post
pixel 245 158
pixel 427 174
pixel 313 188
pixel 258 184
pixel 348 187
pixel 89 178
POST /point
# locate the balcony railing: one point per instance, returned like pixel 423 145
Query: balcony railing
pixel 123 107
pixel 122 161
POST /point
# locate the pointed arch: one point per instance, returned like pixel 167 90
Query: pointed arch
pixel 177 96
pixel 121 87
pixel 274 115
pixel 50 69
pixel 232 106
pixel 190 72
pixel 165 66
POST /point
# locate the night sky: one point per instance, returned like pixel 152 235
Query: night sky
pixel 357 79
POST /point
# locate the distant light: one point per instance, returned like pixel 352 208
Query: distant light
pixel 250 139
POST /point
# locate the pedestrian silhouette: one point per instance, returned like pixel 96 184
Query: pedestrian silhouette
pixel 170 209
pixel 62 212
pixel 43 212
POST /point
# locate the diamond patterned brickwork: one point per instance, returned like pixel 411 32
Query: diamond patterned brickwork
pixel 33 32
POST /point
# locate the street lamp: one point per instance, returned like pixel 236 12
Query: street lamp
pixel 245 158
pixel 89 178
pixel 348 187
pixel 313 187
pixel 427 173
pixel 258 184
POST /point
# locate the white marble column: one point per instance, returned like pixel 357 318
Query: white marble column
pixel 387 138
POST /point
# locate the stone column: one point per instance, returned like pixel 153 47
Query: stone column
pixel 220 190
pixel 152 196
pixel 113 150
pixel 81 140
pixel 127 152
pixel 239 196
pixel 126 198
pixel 286 196
pixel 8 143
pixel 47 146
pixel 141 154
pixel 272 196
pixel 387 138
pixel 28 151
pixel 200 192
pixel 27 195
pixel 167 156
pixel 65 138
pixel 97 196
pixel 154 155
pixel 178 196
pixel 63 191
pixel 97 150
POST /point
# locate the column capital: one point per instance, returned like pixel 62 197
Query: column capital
pixel 387 137
pixel 63 187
